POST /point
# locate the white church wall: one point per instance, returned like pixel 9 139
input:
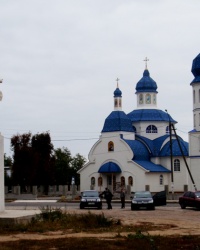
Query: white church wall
pixel 161 129
pixel 194 144
pixel 195 171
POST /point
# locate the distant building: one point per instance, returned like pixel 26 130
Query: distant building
pixel 140 150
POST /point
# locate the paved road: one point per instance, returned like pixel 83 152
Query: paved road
pixel 38 204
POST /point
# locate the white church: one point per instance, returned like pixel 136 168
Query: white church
pixel 141 150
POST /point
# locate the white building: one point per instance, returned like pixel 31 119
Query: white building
pixel 138 150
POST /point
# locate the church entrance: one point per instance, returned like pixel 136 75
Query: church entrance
pixel 111 182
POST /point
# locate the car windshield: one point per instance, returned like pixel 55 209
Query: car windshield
pixel 142 195
pixel 90 194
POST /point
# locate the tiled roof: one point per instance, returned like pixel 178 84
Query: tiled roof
pixel 117 121
pixel 175 148
pixel 146 83
pixel 149 115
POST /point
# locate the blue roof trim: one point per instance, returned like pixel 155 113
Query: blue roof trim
pixel 117 121
pixel 146 83
pixel 193 131
pixel 149 115
pixel 110 167
pixel 152 167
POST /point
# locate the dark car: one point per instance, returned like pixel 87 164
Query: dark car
pixel 190 199
pixel 144 199
pixel 90 198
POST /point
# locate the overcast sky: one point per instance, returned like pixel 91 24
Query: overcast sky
pixel 59 60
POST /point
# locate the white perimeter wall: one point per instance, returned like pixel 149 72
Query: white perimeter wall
pixel 2 199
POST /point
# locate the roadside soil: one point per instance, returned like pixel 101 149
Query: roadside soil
pixel 164 221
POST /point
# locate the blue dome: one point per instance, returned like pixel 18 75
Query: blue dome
pixel 117 121
pixel 149 115
pixel 196 69
pixel 146 83
pixel 117 93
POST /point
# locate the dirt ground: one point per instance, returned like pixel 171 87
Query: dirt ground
pixel 167 221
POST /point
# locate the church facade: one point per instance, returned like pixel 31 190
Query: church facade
pixel 140 150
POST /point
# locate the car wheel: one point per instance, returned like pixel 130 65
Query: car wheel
pixel 100 207
pixel 182 206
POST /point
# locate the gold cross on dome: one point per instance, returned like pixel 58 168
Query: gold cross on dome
pixel 117 82
pixel 146 60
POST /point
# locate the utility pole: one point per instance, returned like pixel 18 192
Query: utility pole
pixel 171 156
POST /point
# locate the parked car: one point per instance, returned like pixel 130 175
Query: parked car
pixel 190 199
pixel 144 199
pixel 90 198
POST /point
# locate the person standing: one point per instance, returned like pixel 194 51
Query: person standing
pixel 108 197
pixel 122 196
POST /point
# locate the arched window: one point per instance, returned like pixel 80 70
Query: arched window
pixel 141 98
pixel 199 95
pixel 167 130
pixel 110 146
pixel 148 98
pixel 151 129
pixel 176 165
pixel 193 96
pixel 92 181
pixel 130 180
pixel 122 181
pixel 100 181
pixel 161 179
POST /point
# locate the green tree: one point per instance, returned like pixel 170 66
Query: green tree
pixel 63 160
pixel 23 169
pixel 42 149
pixel 77 163
pixel 7 164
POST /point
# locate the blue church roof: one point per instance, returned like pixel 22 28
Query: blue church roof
pixel 146 83
pixel 117 93
pixel 196 69
pixel 175 148
pixel 117 121
pixel 139 149
pixel 109 167
pixel 152 167
pixel 149 115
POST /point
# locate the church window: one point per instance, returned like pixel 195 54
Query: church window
pixel 199 95
pixel 92 181
pixel 154 99
pixel 176 165
pixel 130 180
pixel 151 129
pixel 161 179
pixel 115 102
pixel 110 146
pixel 120 103
pixel 194 120
pixel 148 98
pixel 167 130
pixel 199 119
pixel 193 96
pixel 122 181
pixel 141 98
pixel 100 181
